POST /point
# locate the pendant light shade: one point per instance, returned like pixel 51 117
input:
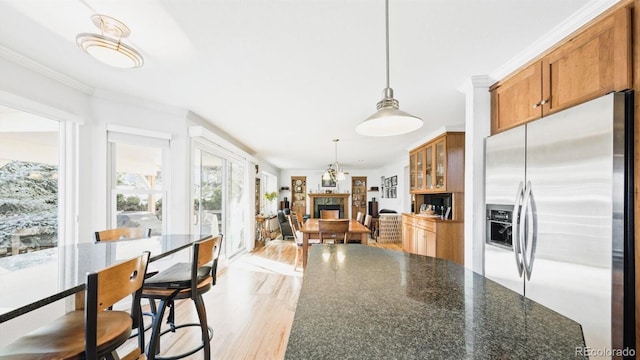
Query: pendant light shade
pixel 389 120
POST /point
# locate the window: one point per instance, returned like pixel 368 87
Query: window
pixel 137 186
pixel 269 186
pixel 220 197
pixel 29 188
pixel 36 206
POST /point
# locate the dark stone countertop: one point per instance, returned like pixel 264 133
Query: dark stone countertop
pixel 362 302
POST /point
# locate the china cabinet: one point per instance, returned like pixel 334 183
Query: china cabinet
pixel 299 194
pixel 358 195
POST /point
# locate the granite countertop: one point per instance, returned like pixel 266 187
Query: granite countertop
pixel 362 302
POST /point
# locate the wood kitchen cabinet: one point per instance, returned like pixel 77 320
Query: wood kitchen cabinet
pixel 430 236
pixel 592 62
pixel 438 166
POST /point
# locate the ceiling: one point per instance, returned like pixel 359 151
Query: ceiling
pixel 285 77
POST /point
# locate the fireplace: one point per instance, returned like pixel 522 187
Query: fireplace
pixel 329 207
pixel 338 202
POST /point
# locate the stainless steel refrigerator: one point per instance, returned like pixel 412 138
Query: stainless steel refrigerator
pixel 559 226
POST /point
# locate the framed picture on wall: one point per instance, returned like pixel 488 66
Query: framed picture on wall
pixel 328 183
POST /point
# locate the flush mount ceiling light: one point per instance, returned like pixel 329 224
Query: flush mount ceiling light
pixel 334 173
pixel 108 47
pixel 389 120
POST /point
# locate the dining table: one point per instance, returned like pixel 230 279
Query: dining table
pixel 33 280
pixel 310 229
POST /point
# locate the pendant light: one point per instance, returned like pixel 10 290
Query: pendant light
pixel 334 174
pixel 389 120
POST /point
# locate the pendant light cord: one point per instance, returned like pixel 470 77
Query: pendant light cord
pixel 386 11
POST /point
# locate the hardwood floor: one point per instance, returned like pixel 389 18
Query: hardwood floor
pixel 251 308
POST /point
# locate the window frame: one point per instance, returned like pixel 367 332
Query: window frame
pixel 136 137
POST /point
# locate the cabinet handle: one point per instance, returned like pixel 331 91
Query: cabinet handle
pixel 544 101
pixel 536 105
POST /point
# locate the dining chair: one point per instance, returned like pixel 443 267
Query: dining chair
pixel 329 214
pixel 359 217
pixel 184 280
pixel 334 228
pixel 96 331
pixel 122 234
pixel 297 234
pixel 367 224
pixel 367 221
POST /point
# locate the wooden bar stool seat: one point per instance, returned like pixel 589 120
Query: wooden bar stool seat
pixel 94 332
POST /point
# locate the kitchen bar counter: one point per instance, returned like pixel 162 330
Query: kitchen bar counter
pixel 62 270
pixel 362 302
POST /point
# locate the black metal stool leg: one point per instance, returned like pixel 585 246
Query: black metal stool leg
pixel 154 341
pixel 204 328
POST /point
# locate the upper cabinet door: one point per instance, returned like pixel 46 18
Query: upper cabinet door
pixel 517 100
pixel 412 171
pixel 420 169
pixel 595 62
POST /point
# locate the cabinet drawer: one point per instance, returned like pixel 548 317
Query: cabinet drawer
pixel 427 225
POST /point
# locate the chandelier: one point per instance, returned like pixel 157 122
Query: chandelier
pixel 333 172
pixel 389 120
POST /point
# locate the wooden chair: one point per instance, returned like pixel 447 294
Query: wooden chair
pixel 297 234
pixel 367 221
pixel 118 234
pixel 360 217
pixel 334 228
pixel 122 234
pixel 184 281
pixel 329 214
pixel 95 331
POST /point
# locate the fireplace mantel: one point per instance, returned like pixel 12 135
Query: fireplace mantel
pixel 341 199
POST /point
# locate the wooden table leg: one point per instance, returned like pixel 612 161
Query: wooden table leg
pixel 364 238
pixel 305 249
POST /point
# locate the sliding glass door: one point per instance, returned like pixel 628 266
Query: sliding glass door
pixel 238 204
pixel 219 198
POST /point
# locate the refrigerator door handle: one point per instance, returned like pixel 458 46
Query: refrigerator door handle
pixel 526 228
pixel 515 227
pixel 532 232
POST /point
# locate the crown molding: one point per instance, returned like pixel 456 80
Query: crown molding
pixel 585 14
pixel 475 82
pixel 30 64
pixel 131 100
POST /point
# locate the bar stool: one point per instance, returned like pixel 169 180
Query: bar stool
pixel 184 281
pixel 118 234
pixel 96 331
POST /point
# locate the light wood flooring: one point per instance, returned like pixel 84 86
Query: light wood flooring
pixel 251 307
